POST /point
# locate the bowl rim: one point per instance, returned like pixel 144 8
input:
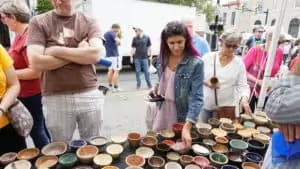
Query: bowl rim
pixel 203 158
pixel 67 154
pixel 95 137
pixel 45 157
pixel 151 137
pixel 7 154
pixel 148 149
pixel 19 161
pixel 200 153
pixel 134 155
pixel 104 155
pixel 163 134
pixel 87 156
pixel 254 153
pixel 220 154
pixel 72 141
pixel 244 163
pixel 118 139
pixel 53 144
pixel 157 157
pixel 174 163
pixel 220 145
pixel 114 145
pixel 206 125
pixel 27 149
pixel 172 152
pixel 241 141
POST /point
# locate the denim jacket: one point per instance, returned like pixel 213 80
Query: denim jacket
pixel 188 88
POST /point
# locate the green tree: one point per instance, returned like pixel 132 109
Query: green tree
pixel 43 6
pixel 202 6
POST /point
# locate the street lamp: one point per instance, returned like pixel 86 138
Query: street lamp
pixel 217 27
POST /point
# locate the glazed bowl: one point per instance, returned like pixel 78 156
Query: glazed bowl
pixel 235 158
pixel 110 167
pixel 145 152
pixel 169 142
pixel 167 134
pixel 149 141
pixel 209 142
pixel 75 144
pixel 173 156
pixel 151 133
pixel 28 154
pixel 238 145
pixel 253 157
pixel 218 159
pixel 220 148
pixel 264 130
pixel 180 147
pixel 203 125
pixel 226 120
pixel 256 146
pixel 20 164
pixel 204 133
pixel 200 149
pixel 163 148
pixel 247 165
pixel 259 120
pixel 134 140
pixel 195 136
pixel 134 167
pixel 84 167
pixel 98 141
pixel 135 160
pixel 201 161
pixel 249 124
pixel 87 153
pixel 262 137
pixel 228 127
pixel 229 167
pixel 219 132
pixel 186 160
pixel 177 129
pixel 214 122
pixel 8 158
pixel 172 165
pixel 46 162
pixel 221 140
pixel 156 162
pixel 102 160
pixel 246 117
pixel 119 139
pixel 231 136
pixel 55 149
pixel 115 150
pixel 192 166
pixel 67 160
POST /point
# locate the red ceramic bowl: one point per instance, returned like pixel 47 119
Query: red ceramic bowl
pixel 169 142
pixel 201 161
pixel 177 129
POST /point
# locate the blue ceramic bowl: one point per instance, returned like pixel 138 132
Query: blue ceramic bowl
pixel 253 157
pixel 75 144
pixel 229 167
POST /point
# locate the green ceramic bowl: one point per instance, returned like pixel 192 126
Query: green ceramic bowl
pixel 249 124
pixel 218 159
pixel 68 160
pixel 238 145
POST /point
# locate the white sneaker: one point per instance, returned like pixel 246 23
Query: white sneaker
pixel 116 90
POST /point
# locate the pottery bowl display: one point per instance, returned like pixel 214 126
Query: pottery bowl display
pixel 228 127
pixel 173 156
pixel 221 140
pixel 218 159
pixel 219 132
pixel 135 160
pixel 169 142
pixel 226 120
pixel 110 167
pixel 120 139
pixel 192 166
pixel 262 137
pixel 162 148
pixel 46 162
pixel 115 150
pixel 180 147
pixel 144 152
pixel 28 154
pixel 200 149
pixel 8 158
pixel 249 124
pixel 67 160
pixel 177 129
pixel 201 161
pixel 250 165
pixel 151 133
pixel 134 139
pixel 235 158
pixel 55 149
pixel 204 133
pixel 75 144
pixel 229 167
pixel 20 164
pixel 186 159
pixel 253 157
pixel 134 167
pixel 102 160
pixel 231 136
pixel 256 146
pixel 238 145
pixel 156 162
pixel 203 125
pixel 98 141
pixel 172 165
pixel 209 142
pixel 87 153
pixel 149 141
pixel 220 148
pixel 214 122
pixel 167 134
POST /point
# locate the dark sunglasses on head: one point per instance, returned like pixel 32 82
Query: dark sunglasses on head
pixel 234 46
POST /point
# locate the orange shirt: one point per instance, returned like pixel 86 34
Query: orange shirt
pixel 5 63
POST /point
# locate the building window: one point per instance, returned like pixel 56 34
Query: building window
pixel 297 3
pixel 232 18
pixel 257 22
pixel 273 22
pixel 225 18
pixel 294 27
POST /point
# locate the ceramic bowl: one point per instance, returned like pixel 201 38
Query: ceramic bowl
pixel 235 158
pixel 68 160
pixel 256 146
pixel 259 120
pixel 162 148
pixel 200 149
pixel 8 158
pixel 98 141
pixel 20 164
pixel 28 154
pixel 110 167
pixel 229 167
pixel 228 127
pixel 173 165
pixel 209 142
pixel 195 136
pixel 46 162
pixel 151 133
pixel 226 120
pixel 219 132
pixel 204 133
pixel 238 145
pixel 144 152
pixel 55 149
pixel 262 137
pixel 231 136
pixel 114 150
pixel 221 140
pixel 156 162
pixel 186 160
pixel 218 159
pixel 87 153
pixel 214 122
pixel 102 160
pixel 201 161
pixel 247 165
pixel 169 142
pixel 203 125
pixel 238 126
pixel 246 117
pixel 177 129
pixel 220 148
pixel 192 166
pixel 82 167
pixel 167 134
pixel 75 144
pixel 249 124
pixel 134 167
pixel 253 157
pixel 134 139
pixel 135 160
pixel 149 141
pixel 180 147
pixel 264 130
pixel 173 156
pixel 119 139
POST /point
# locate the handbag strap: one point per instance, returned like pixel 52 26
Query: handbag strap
pixel 215 75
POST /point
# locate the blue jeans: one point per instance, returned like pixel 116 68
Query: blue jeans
pixel 142 64
pixel 39 132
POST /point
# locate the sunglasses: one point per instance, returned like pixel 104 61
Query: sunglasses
pixel 233 46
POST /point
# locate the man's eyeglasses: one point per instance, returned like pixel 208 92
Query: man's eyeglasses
pixel 233 46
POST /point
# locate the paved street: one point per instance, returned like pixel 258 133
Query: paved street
pixel 124 111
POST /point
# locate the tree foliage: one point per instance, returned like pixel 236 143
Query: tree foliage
pixel 43 6
pixel 202 6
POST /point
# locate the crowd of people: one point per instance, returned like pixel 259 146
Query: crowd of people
pixel 50 69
